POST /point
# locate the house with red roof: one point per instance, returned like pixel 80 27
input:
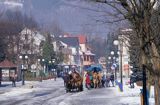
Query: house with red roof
pixel 87 57
pixel 84 55
pixel 7 68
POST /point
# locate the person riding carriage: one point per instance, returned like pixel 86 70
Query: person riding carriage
pixel 96 80
pixel 73 81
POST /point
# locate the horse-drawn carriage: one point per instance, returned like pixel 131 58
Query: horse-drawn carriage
pixel 95 76
pixel 73 82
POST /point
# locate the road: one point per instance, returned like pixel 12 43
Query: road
pixel 53 93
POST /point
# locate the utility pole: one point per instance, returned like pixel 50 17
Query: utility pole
pixel 121 54
pixel 145 100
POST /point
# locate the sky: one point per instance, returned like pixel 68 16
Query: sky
pixel 72 16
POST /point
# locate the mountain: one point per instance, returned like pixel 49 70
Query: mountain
pixel 72 16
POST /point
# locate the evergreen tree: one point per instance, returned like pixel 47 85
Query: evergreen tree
pixel 48 51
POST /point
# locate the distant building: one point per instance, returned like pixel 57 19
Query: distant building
pixel 80 55
pixel 30 41
pixel 87 57
pixel 102 61
pixel 125 51
pixel 69 46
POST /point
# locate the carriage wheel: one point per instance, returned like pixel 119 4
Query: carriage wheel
pixel 81 87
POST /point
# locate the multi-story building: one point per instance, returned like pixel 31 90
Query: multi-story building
pixel 87 57
pixel 30 41
pixel 69 46
pixel 124 40
pixel 75 50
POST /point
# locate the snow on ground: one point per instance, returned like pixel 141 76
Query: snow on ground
pixel 107 96
pixel 132 95
pixel 50 92
pixel 44 89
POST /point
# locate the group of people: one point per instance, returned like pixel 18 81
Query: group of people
pixel 98 80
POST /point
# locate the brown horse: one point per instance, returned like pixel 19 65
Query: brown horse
pixel 77 81
pixel 96 79
pixel 99 80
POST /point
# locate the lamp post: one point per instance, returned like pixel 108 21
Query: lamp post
pixel 23 67
pixel 52 61
pixel 115 71
pixel 109 58
pixel 120 52
pixel 112 52
pixel 41 61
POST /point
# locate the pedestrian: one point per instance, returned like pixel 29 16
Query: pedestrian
pixel 112 79
pixel 88 81
pixel 131 83
pixel 65 78
pixel 13 79
pixel 55 76
pixel 91 79
pixel 107 80
pixel 103 80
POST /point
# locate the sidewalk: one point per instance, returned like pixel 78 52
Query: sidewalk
pixel 7 86
pixel 132 95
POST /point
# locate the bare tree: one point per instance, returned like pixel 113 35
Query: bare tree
pixel 140 13
pixel 54 28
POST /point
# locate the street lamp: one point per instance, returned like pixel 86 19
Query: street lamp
pixel 51 62
pixel 116 42
pixel 115 71
pixel 112 52
pixel 41 61
pixel 23 67
pixel 109 58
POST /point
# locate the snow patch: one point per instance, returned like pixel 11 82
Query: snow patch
pixel 14 4
pixel 16 92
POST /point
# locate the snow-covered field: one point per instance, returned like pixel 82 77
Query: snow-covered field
pixel 50 92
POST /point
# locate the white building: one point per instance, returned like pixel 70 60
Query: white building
pixel 30 41
pixel 124 40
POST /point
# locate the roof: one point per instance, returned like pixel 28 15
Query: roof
pixel 7 64
pixel 70 41
pixel 89 53
pixel 82 39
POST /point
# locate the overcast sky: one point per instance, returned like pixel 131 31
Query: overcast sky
pixel 73 16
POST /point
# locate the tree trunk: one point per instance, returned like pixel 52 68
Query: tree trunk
pixel 156 68
pixel 157 91
pixel 0 76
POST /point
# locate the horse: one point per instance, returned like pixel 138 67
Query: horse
pixel 77 81
pixel 97 79
pixel 67 82
pixel 73 81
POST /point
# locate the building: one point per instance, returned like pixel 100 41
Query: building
pixel 29 44
pixel 102 61
pixel 75 49
pixel 87 57
pixel 69 46
pixel 124 40
pixel 30 41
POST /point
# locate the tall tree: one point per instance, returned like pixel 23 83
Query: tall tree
pixel 48 51
pixel 140 13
